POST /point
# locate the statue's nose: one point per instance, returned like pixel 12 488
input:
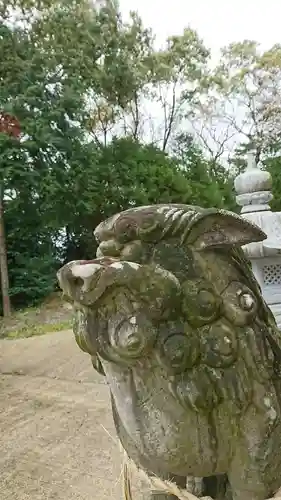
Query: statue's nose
pixel 83 275
pixel 78 277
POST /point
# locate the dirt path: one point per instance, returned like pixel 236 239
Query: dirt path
pixel 55 424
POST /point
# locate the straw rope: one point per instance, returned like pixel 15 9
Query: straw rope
pixel 160 485
pixel 156 483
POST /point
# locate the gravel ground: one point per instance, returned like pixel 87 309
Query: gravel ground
pixel 57 437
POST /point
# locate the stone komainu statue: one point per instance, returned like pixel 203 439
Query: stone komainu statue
pixel 171 314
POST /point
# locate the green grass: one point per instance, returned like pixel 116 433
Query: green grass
pixel 51 316
pixel 31 330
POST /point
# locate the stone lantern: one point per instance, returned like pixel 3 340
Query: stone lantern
pixel 253 189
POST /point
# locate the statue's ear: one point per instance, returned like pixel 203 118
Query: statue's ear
pixel 220 228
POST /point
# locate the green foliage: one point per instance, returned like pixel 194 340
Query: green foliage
pixel 141 174
pixel 273 165
pixel 210 183
pixel 74 75
pixel 248 91
pixel 124 173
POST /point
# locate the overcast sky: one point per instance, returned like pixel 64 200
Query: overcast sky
pixel 218 22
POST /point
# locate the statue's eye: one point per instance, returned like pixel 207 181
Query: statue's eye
pixel 200 303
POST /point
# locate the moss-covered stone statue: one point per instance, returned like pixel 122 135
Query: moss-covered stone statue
pixel 172 316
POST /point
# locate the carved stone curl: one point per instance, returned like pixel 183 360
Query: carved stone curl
pixel 171 314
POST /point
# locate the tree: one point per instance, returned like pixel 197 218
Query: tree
pixel 76 77
pixel 9 132
pixel 181 68
pixel 210 183
pixel 245 95
pixel 44 105
pixel 122 174
pixel 3 259
pixel 273 165
pixel 173 80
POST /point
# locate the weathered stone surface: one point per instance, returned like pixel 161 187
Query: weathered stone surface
pixel 173 317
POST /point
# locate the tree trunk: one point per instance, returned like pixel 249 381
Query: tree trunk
pixel 3 262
